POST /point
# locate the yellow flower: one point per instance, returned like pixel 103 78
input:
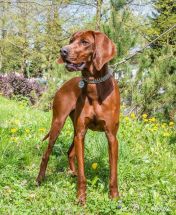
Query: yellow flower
pixel 94 166
pixel 133 116
pixel 153 119
pixel 127 118
pixel 42 129
pixel 171 124
pixel 13 130
pixel 163 125
pixel 145 120
pixel 14 139
pixel 27 131
pixel 155 128
pixel 144 116
pixel 166 134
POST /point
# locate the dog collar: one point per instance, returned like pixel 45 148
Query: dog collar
pixel 94 81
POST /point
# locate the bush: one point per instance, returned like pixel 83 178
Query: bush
pixel 14 84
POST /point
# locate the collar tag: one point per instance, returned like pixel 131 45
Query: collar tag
pixel 81 84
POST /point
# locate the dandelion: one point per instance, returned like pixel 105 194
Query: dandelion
pixel 13 130
pixel 94 166
pixel 133 116
pixel 127 118
pixel 171 124
pixel 14 139
pixel 163 125
pixel 42 129
pixel 166 134
pixel 153 119
pixel 155 128
pixel 144 116
pixel 27 131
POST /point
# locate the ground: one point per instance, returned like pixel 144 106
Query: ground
pixel 147 166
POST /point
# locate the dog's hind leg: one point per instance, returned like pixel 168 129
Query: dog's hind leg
pixel 53 134
pixel 71 153
pixel 71 160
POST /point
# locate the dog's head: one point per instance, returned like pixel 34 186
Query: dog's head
pixel 86 48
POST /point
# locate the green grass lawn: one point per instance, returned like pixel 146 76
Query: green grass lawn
pixel 147 167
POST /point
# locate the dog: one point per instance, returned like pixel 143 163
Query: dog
pixel 92 101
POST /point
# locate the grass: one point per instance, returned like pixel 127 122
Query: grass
pixel 147 166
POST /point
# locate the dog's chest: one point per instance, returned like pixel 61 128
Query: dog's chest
pixel 92 93
pixel 96 121
pixel 96 116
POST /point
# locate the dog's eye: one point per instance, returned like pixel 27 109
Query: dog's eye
pixel 84 42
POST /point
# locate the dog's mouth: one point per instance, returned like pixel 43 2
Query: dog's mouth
pixel 74 66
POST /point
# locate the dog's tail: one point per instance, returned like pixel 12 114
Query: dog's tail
pixel 46 136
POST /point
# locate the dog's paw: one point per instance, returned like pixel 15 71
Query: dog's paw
pixel 38 181
pixel 72 173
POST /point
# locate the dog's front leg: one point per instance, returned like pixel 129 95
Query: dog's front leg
pixel 79 149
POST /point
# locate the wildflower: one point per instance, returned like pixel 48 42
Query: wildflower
pixel 171 124
pixel 94 166
pixel 144 116
pixel 27 131
pixel 155 128
pixel 133 116
pixel 13 130
pixel 145 120
pixel 14 139
pixel 127 118
pixel 163 125
pixel 166 134
pixel 42 129
pixel 153 119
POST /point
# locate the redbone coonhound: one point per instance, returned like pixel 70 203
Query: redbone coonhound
pixel 92 101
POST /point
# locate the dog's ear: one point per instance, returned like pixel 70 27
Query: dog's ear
pixel 60 60
pixel 105 50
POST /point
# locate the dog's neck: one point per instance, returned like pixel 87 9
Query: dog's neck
pixel 92 73
pixel 97 92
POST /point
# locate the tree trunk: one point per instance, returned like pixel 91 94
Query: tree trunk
pixel 98 14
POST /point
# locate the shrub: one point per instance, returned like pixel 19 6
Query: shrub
pixel 14 84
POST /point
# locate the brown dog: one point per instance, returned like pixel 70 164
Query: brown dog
pixel 93 102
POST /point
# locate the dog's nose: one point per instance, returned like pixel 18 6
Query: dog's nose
pixel 64 51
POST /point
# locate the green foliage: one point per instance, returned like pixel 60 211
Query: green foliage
pixel 163 17
pixel 119 29
pixel 146 166
pixel 154 84
pixel 158 79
